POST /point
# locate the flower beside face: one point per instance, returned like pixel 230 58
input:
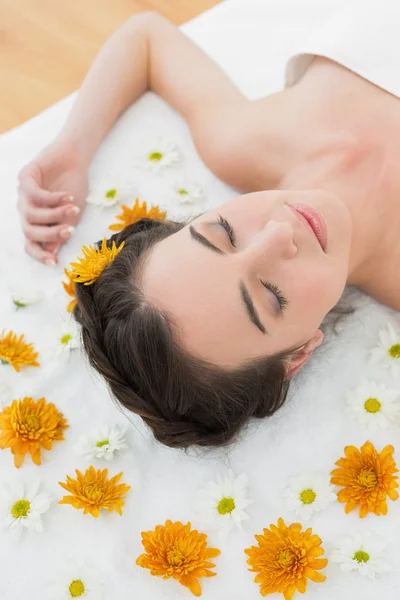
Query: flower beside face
pixel 68 339
pixel 374 405
pixel 157 156
pixel 285 558
pixel 174 550
pixel 109 193
pixel 69 287
pixel 92 491
pixel 94 262
pixel 16 352
pixel 76 581
pixel 387 353
pixel 134 214
pixel 308 493
pixel 367 478
pixel 362 552
pixel 186 192
pixel 28 426
pixel 102 442
pixel 21 510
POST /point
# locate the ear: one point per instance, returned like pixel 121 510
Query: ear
pixel 301 356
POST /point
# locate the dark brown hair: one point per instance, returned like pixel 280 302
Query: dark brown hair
pixel 184 400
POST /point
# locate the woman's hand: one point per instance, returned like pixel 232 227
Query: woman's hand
pixel 51 194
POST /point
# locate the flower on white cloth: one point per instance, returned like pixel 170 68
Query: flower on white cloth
pixel 76 581
pixel 362 552
pixel 21 510
pixel 308 493
pixel 68 339
pixel 102 442
pixel 110 192
pixel 186 192
pixel 387 353
pixel 374 405
pixel 157 156
pixel 24 295
pixel 222 503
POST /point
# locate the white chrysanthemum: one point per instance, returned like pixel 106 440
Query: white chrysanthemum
pixel 102 442
pixel 387 353
pixel 222 503
pixel 20 510
pixel 186 192
pixel 68 339
pixel 308 493
pixel 374 405
pixel 157 156
pixel 76 581
pixel 109 193
pixel 24 295
pixel 362 552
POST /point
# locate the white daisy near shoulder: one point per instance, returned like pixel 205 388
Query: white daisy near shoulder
pixel 20 510
pixel 157 156
pixel 374 405
pixel 362 552
pixel 108 193
pixel 76 581
pixel 387 353
pixel 308 493
pixel 222 503
pixel 186 192
pixel 102 442
pixel 68 339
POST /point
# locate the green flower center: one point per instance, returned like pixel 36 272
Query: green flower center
pixel 102 443
pixel 66 338
pixel 19 304
pixel 156 156
pixel 361 557
pixel 76 588
pixel 21 509
pixel 111 193
pixel 225 506
pixel 372 405
pixel 183 192
pixel 308 496
pixel 367 478
pixel 394 351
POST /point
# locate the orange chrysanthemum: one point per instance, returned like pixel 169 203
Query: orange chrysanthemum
pixel 367 478
pixel 27 426
pixel 93 491
pixel 70 289
pixel 131 215
pixel 94 262
pixel 285 558
pixel 16 352
pixel 173 550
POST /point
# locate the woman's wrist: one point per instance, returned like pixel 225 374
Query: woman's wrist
pixel 75 148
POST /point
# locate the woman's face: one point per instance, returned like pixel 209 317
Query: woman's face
pixel 221 277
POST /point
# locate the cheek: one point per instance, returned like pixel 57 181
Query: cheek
pixel 320 288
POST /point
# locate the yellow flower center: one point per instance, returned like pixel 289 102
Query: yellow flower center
pixel 361 557
pixel 394 351
pixel 102 443
pixel 94 492
pixel 111 193
pixel 156 156
pixel 175 557
pixel 367 478
pixel 225 506
pixel 66 338
pixel 183 192
pixel 21 509
pixel 32 422
pixel 372 405
pixel 308 496
pixel 286 559
pixel 76 588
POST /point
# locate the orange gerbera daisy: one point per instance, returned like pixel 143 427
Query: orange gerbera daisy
pixel 137 212
pixel 27 426
pixel 16 352
pixel 93 491
pixel 367 478
pixel 285 558
pixel 94 262
pixel 70 289
pixel 173 550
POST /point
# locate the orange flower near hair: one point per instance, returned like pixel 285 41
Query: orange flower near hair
pixel 367 478
pixel 285 558
pixel 174 550
pixel 137 212
pixel 94 262
pixel 16 352
pixel 93 491
pixel 70 289
pixel 28 426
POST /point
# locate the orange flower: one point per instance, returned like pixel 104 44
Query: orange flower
pixel 27 426
pixel 94 262
pixel 93 491
pixel 367 477
pixel 131 215
pixel 173 550
pixel 16 352
pixel 285 557
pixel 70 289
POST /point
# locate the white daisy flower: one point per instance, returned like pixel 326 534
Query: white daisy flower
pixel 157 156
pixel 387 353
pixel 76 581
pixel 23 295
pixel 102 442
pixel 20 510
pixel 68 339
pixel 362 552
pixel 186 192
pixel 222 503
pixel 374 405
pixel 308 493
pixel 109 193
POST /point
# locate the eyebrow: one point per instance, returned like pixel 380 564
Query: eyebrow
pixel 244 292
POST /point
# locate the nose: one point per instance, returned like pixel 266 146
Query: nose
pixel 274 242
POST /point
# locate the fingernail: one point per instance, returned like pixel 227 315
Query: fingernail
pixel 67 232
pixel 69 199
pixel 50 262
pixel 74 210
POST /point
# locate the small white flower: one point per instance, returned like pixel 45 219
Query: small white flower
pixel 308 493
pixel 23 295
pixel 387 353
pixel 186 192
pixel 222 503
pixel 109 193
pixel 157 156
pixel 76 581
pixel 374 405
pixel 68 339
pixel 19 510
pixel 362 552
pixel 102 442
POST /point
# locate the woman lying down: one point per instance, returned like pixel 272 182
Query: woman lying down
pixel 199 326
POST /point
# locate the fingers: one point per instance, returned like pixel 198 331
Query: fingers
pixel 35 250
pixel 30 188
pixel 44 216
pixel 46 233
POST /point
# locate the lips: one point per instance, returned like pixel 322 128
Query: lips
pixel 316 222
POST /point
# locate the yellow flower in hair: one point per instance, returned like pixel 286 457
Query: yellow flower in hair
pixel 137 212
pixel 94 262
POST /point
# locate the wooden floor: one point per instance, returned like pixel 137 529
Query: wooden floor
pixel 47 46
